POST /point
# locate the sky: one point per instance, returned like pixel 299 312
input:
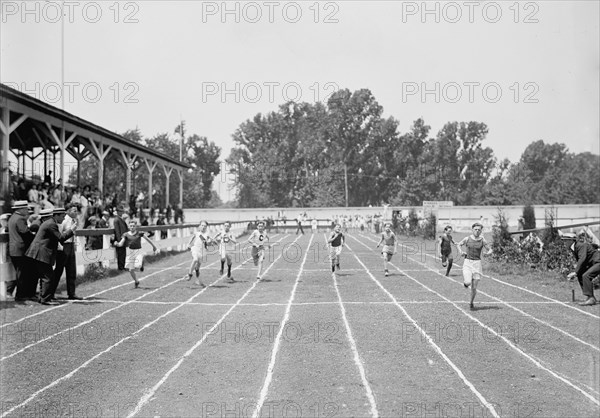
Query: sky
pixel 529 70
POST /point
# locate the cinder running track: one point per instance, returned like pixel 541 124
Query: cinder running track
pixel 303 342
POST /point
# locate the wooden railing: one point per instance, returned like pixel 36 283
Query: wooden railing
pixel 178 236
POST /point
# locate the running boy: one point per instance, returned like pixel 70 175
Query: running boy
pixel 197 245
pixel 259 241
pixel 472 272
pixel 445 242
pixel 336 241
pixel 227 244
pixel 132 240
pixel 390 245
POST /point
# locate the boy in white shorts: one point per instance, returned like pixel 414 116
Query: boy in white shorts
pixel 390 245
pixel 259 241
pixel 227 244
pixel 134 260
pixel 472 271
pixel 197 245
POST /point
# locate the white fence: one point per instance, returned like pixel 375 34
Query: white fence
pixel 177 239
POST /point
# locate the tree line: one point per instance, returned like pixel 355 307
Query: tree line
pixel 346 152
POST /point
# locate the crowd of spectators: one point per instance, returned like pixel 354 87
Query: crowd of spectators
pixel 96 209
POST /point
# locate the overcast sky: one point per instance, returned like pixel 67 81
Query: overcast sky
pixel 529 70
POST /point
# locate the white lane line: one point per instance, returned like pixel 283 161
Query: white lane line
pixel 152 391
pixel 479 396
pixel 100 315
pixel 357 359
pixel 352 341
pixel 347 302
pixel 508 304
pixel 531 358
pixel 269 376
pixel 90 296
pixel 524 290
pixel 86 363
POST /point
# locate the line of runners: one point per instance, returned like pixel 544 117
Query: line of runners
pixel 260 241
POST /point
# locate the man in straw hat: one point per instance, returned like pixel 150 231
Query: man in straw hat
pixel 19 239
pixel 44 247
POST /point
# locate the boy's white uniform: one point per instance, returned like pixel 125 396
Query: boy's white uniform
pixel 200 240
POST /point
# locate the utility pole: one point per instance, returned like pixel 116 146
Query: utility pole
pixel 346 181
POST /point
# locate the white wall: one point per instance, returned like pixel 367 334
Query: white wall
pixel 459 216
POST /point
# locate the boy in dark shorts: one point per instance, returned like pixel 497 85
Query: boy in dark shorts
pixel 336 242
pixel 445 242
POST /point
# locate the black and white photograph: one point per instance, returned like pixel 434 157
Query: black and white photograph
pixel 311 208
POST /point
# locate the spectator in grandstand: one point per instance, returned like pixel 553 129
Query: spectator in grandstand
pixel 93 242
pixel 169 213
pixel 472 272
pixel 4 223
pixel 103 222
pixel 32 194
pixel 161 222
pixel 178 214
pixel 21 192
pixel 587 269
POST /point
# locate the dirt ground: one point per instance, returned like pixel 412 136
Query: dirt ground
pixel 303 342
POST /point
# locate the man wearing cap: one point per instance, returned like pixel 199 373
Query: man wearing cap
pixel 120 228
pixel 44 247
pixel 587 269
pixel 19 239
pixel 103 221
pixel 65 256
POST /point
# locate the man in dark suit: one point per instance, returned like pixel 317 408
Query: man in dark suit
pixel 65 259
pixel 19 239
pixel 120 228
pixel 44 247
pixel 587 269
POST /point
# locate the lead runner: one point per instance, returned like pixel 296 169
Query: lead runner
pixel 472 271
